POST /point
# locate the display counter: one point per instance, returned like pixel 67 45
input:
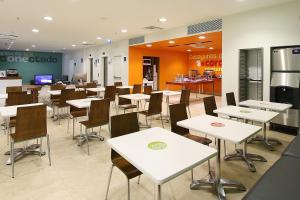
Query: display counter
pixel 9 81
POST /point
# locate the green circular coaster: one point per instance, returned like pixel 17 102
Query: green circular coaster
pixel 157 145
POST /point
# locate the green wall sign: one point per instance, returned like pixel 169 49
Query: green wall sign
pixel 30 63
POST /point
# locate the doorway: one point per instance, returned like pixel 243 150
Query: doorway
pixel 251 74
pixel 151 71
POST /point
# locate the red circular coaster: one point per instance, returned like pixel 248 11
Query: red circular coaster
pixel 217 124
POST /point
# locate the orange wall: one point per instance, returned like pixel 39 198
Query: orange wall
pixel 208 60
pixel 170 64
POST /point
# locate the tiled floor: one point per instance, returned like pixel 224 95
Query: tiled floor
pixel 76 176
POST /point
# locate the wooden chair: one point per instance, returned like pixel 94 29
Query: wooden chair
pixel 230 99
pixel 16 98
pixel 55 98
pixel 122 125
pixel 77 112
pixel 125 104
pixel 117 84
pixel 148 91
pixel 185 98
pixel 90 93
pixel 98 116
pixel 110 93
pixel 66 94
pixel 137 89
pixel 13 89
pixel 35 93
pixel 155 107
pixel 178 113
pixel 31 124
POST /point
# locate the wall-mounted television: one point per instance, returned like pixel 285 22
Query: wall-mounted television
pixel 44 79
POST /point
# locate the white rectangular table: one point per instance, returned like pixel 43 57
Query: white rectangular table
pixel 3 96
pixel 136 97
pixel 222 129
pixel 265 105
pixel 260 116
pixel 54 92
pixel 11 111
pixel 124 87
pixel 179 156
pixel 97 89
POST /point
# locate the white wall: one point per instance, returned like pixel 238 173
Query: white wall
pixel 264 28
pixel 117 49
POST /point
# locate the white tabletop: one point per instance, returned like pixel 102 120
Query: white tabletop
pixel 98 89
pixel 3 96
pixel 279 107
pixel 247 113
pixel 81 103
pixel 230 130
pixel 136 97
pixel 180 155
pixel 168 92
pixel 54 92
pixel 11 111
pixel 124 86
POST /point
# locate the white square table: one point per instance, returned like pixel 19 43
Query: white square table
pixel 97 89
pixel 164 164
pixel 136 97
pixel 11 111
pixel 81 103
pixel 265 105
pixel 222 129
pixel 124 87
pixel 260 116
pixel 3 96
pixel 54 92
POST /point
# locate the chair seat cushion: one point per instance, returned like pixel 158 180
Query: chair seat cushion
pixel 78 113
pixel 199 139
pixel 280 182
pixel 128 169
pixel 294 148
pixel 89 124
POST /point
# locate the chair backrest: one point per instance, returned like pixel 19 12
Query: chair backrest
pixel 91 85
pixel 178 113
pixel 35 94
pixel 137 88
pixel 210 105
pixel 16 98
pixel 99 112
pixel 122 125
pixel 66 94
pixel 123 91
pixel 79 94
pixel 31 123
pixel 147 89
pixel 110 92
pixel 230 99
pixel 57 87
pixel 185 97
pixel 155 104
pixel 13 89
pixel 118 84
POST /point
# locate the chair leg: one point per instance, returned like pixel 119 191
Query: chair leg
pixel 224 148
pixel 87 141
pixel 109 129
pixel 48 145
pixel 192 173
pixel 109 179
pixel 188 107
pixel 73 128
pixel 162 121
pixel 139 178
pixel 41 144
pixel 68 124
pixel 12 160
pixel 128 188
pixel 146 120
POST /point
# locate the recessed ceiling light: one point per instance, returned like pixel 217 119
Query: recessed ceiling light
pixel 73 45
pixel 35 30
pixel 48 18
pixel 124 30
pixel 27 49
pixel 149 45
pixel 162 19
pixel 210 48
pixel 33 46
pixel 84 42
pixel 98 38
pixel 64 48
pixel 189 50
pixel 171 42
pixel 201 37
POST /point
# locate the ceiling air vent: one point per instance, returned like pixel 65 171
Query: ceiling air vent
pixel 153 28
pixel 137 40
pixel 212 25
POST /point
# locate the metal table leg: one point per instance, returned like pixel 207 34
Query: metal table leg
pixel 268 142
pixel 158 195
pixel 216 181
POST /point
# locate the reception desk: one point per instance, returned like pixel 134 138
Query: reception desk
pixel 9 81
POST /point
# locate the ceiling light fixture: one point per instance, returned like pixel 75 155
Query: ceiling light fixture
pixel 149 45
pixel 35 30
pixel 172 42
pixel 73 45
pixel 162 19
pixel 84 42
pixel 189 50
pixel 98 38
pixel 211 48
pixel 201 37
pixel 33 46
pixel 27 49
pixel 48 18
pixel 124 30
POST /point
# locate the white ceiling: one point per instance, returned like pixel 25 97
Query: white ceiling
pixel 75 21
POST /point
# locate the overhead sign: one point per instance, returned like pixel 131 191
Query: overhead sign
pixel 25 57
pixel 207 60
